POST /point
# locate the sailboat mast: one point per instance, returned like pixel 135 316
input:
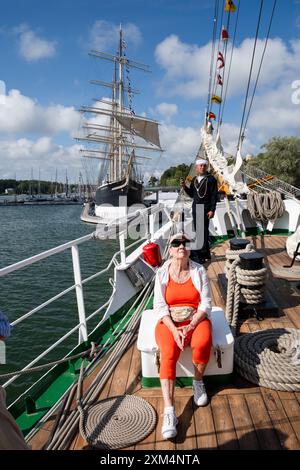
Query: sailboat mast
pixel 120 99
pixel 113 161
pixel 39 184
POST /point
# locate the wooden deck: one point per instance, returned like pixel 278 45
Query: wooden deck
pixel 240 415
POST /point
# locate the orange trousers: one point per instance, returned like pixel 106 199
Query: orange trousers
pixel 200 340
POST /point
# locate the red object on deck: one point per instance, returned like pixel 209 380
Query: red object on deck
pixel 152 255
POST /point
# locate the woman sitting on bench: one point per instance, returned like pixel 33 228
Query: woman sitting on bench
pixel 182 305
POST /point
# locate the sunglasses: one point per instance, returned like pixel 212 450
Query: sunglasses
pixel 177 243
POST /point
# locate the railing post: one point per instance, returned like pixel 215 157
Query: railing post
pixel 151 225
pixel 79 294
pixel 122 247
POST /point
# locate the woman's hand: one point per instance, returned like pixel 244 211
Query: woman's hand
pixel 179 337
pixel 186 329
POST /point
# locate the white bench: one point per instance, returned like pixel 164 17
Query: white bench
pixel 219 368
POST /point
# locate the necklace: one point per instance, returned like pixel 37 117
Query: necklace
pixel 201 186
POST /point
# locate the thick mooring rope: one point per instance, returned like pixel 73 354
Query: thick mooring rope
pixel 265 206
pixel 270 358
pixel 243 285
pixel 232 255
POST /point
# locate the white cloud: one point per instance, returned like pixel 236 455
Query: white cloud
pixel 186 66
pixel 21 117
pixel 179 143
pixel 104 35
pixel 32 47
pixel 273 112
pixel 21 114
pixel 166 110
pixel 23 154
pixel 182 143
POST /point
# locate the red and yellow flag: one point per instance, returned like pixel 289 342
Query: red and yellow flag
pixel 230 6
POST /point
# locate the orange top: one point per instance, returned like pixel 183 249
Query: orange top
pixel 182 294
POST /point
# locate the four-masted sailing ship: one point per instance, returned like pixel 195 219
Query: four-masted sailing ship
pixel 112 133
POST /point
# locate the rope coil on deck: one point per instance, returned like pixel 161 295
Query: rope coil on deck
pixel 117 422
pixel 270 358
pixel 232 255
pixel 243 285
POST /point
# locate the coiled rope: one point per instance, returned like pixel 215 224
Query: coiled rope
pixel 243 285
pixel 68 421
pixel 232 255
pixel 270 358
pixel 265 207
pixel 117 422
pixel 64 433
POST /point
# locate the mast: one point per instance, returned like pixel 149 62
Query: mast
pixel 55 190
pixel 120 85
pixel 122 124
pixel 39 184
pixel 67 184
pixel 113 174
pixel 31 182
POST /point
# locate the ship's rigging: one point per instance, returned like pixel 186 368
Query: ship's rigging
pixel 112 132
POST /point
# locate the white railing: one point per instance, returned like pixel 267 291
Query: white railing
pixel 145 215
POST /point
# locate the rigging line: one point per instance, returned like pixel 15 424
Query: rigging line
pixel 250 73
pixel 260 65
pixel 230 63
pixel 213 49
pixel 215 68
pixel 223 75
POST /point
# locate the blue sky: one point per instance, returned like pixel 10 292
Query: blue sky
pixel 44 55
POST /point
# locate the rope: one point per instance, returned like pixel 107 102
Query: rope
pixel 260 66
pixel 237 290
pixel 214 87
pixel 230 63
pixel 213 47
pixel 117 422
pixel 270 358
pixel 88 353
pixel 224 68
pixel 265 207
pixel 250 74
pixel 64 435
pixel 232 255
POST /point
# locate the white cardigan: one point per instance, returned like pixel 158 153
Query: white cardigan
pixel 199 279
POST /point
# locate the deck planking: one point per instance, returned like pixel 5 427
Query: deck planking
pixel 240 415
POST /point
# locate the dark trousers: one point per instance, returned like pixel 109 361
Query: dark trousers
pixel 204 252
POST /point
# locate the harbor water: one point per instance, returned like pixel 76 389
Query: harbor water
pixel 24 232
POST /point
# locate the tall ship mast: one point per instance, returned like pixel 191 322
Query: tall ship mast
pixel 113 133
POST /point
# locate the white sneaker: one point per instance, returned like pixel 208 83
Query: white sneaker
pixel 200 395
pixel 170 422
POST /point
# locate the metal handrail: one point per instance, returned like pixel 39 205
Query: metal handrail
pixel 81 326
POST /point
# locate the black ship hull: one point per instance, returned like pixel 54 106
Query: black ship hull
pixel 110 193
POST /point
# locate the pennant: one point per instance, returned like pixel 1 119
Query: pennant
pixel 224 34
pixel 212 115
pixel 216 99
pixel 219 80
pixel 230 6
pixel 221 60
